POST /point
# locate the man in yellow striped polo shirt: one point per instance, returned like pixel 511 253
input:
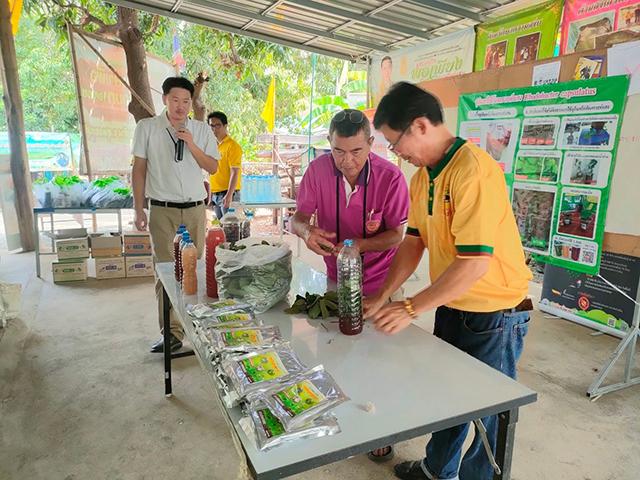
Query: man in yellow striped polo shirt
pixel 460 213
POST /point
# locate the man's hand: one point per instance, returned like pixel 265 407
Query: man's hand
pixel 319 241
pixel 372 305
pixel 141 220
pixel 186 136
pixel 228 198
pixel 392 318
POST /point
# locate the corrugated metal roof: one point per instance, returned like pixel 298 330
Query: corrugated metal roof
pixel 349 29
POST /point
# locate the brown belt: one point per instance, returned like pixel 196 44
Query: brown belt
pixel 525 305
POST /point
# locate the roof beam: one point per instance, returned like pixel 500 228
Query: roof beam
pixel 451 9
pixel 227 28
pixel 360 18
pixel 288 25
pixel 266 11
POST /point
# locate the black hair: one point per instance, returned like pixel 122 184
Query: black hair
pixel 384 59
pixel 403 104
pixel 219 115
pixel 350 122
pixel 177 82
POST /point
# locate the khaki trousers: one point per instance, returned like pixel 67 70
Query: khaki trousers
pixel 163 223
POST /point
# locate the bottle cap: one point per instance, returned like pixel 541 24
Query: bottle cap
pixel 348 243
pixel 215 222
pixel 181 229
pixel 231 210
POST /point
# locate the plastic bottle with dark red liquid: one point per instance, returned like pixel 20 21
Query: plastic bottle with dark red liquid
pixel 350 314
pixel 176 251
pixel 215 237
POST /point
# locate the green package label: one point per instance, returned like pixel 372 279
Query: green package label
pixel 233 317
pixel 270 424
pixel 299 398
pixel 264 367
pixel 222 304
pixel 242 337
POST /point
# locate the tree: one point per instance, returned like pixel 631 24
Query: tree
pixel 129 26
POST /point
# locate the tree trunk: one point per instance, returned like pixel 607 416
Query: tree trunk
pixel 199 108
pixel 137 72
pixel 15 125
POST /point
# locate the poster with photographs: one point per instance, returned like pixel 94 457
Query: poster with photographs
pixel 589 132
pixel 527 48
pixel 579 212
pixel 533 209
pixel 588 169
pixel 537 166
pixel 539 132
pixel 498 137
pixel 589 24
pixel 562 159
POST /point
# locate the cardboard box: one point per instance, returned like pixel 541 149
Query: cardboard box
pixel 139 266
pixel 71 233
pixel 110 268
pixel 106 246
pixel 72 248
pixel 137 243
pixel 69 271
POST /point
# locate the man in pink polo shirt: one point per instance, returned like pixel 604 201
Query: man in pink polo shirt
pixel 355 194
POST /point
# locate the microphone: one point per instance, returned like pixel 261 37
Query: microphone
pixel 180 145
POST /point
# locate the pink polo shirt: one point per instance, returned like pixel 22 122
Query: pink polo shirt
pixel 387 207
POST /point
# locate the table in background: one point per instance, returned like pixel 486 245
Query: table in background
pixel 66 211
pixel 417 383
pixel 282 205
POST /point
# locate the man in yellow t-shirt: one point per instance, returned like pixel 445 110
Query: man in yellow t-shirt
pixel 225 183
pixel 460 212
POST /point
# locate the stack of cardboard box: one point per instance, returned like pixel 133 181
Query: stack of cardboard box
pixel 72 260
pixel 107 252
pixel 138 254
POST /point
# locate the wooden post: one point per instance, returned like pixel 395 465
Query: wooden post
pixel 15 125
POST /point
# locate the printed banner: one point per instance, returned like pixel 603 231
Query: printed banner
pixel 578 296
pixel 523 36
pixel 104 99
pixel 589 24
pixel 443 57
pixel 47 151
pixel 557 147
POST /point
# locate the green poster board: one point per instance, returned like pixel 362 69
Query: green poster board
pixel 524 36
pixel 557 147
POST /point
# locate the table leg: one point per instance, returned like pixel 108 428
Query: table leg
pixel 120 222
pixel 166 333
pixel 36 239
pixel 504 447
pixel 281 224
pixel 53 235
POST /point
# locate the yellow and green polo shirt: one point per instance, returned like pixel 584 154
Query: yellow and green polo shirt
pixel 230 157
pixel 461 209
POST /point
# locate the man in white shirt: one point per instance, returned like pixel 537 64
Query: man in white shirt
pixel 170 153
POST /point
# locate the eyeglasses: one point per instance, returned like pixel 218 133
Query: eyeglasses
pixel 354 116
pixel 392 146
pixel 215 125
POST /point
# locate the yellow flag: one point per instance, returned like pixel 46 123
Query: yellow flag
pixel 269 111
pixel 16 10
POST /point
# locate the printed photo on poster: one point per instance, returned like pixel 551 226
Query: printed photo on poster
pixel 579 212
pixel 588 67
pixel 586 169
pixel 582 33
pixel 500 141
pixel 496 55
pixel 539 132
pixel 533 208
pixel 527 48
pixel 628 17
pixel 595 132
pixel 536 166
pixel 575 250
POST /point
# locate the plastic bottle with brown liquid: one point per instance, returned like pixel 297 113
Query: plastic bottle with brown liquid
pixel 176 251
pixel 215 237
pixel 189 264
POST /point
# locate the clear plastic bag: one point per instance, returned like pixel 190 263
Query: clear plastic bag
pixel 302 398
pixel 242 339
pixel 206 310
pixel 267 431
pixel 260 274
pixel 257 370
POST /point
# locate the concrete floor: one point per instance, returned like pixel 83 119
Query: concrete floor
pixel 81 397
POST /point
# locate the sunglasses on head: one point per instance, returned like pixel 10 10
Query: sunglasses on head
pixel 354 116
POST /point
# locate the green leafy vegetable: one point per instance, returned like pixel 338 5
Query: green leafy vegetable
pixel 315 305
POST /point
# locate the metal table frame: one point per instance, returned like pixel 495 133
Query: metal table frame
pixel 507 413
pixel 37 212
pixel 282 205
